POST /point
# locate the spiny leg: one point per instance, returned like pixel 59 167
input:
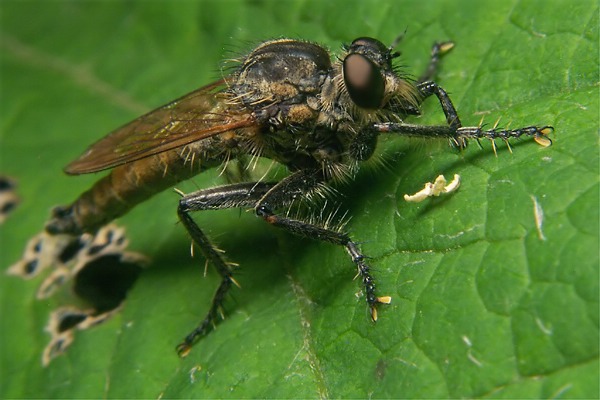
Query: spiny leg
pixel 539 134
pixel 454 131
pixel 305 182
pixel 237 195
pixel 460 136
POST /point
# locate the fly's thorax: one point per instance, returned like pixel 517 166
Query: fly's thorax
pixel 281 81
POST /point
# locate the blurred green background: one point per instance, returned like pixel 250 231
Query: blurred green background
pixel 483 306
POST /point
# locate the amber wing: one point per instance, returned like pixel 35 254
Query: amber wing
pixel 198 115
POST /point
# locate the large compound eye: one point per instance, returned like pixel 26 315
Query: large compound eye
pixel 369 43
pixel 364 81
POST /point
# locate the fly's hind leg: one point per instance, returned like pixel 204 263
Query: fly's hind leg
pixel 236 195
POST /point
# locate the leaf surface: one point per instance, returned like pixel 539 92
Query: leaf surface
pixel 487 300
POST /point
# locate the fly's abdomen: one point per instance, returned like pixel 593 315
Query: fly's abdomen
pixel 121 190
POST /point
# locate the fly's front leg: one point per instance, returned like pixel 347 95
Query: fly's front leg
pixel 426 87
pixel 459 137
pixel 454 131
pixel 458 134
pixel 237 195
pixel 303 182
pixel 437 51
pixel 429 88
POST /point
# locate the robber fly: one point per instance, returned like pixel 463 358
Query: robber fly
pixel 286 101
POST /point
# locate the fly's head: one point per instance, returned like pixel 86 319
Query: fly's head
pixel 365 87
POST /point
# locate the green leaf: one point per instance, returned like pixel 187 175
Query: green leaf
pixel 487 301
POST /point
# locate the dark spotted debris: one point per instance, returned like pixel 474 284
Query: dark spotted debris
pixel 97 270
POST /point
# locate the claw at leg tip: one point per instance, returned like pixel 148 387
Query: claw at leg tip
pixel 183 350
pixel 446 47
pixel 543 141
pixel 379 300
pixel 373 313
